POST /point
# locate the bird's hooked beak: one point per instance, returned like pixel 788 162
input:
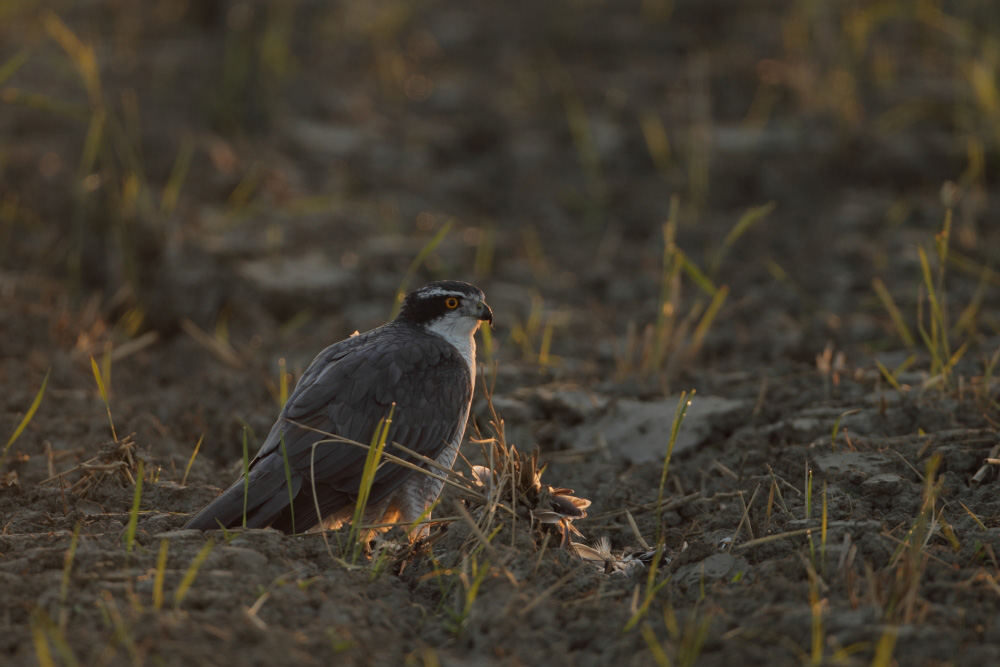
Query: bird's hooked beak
pixel 484 312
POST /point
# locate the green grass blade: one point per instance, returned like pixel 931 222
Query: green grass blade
pixel 25 420
pixel 836 428
pixel 885 647
pixel 372 462
pixel 753 215
pixel 194 455
pixel 417 261
pixel 282 382
pixel 696 274
pixel 104 394
pixel 888 375
pixel 288 480
pixel 67 570
pixel 894 313
pixel 14 63
pixel 700 331
pixel 982 526
pixel 246 476
pixel 133 517
pixel 682 405
pixel 172 190
pixel 42 652
pixel 653 644
pixel 191 573
pixel 161 570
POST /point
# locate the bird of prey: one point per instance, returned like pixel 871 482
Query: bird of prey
pixel 420 367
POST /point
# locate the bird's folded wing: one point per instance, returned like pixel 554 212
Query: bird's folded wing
pixel 424 384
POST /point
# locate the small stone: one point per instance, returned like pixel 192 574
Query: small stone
pixel 89 507
pixel 884 484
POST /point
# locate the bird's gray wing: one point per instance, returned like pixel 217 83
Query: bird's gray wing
pixel 422 380
pixel 346 391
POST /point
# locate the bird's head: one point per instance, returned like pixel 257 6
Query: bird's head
pixel 448 307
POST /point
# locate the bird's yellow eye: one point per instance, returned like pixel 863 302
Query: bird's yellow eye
pixel 451 302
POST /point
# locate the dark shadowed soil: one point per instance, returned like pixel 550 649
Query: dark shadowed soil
pixel 200 196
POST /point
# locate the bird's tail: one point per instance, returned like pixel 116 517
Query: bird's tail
pixel 252 505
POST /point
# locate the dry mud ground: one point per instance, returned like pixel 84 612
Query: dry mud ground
pixel 202 195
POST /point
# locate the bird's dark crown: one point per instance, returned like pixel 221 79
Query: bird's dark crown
pixel 428 303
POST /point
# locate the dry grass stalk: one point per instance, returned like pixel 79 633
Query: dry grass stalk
pixel 116 462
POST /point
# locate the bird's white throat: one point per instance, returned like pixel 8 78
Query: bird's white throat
pixel 460 331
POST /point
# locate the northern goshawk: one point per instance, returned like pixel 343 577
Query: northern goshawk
pixel 423 364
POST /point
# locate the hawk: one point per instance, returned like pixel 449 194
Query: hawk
pixel 420 367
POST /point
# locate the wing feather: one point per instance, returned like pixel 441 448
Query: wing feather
pixel 346 391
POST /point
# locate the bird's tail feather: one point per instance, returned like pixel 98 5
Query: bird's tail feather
pixel 262 500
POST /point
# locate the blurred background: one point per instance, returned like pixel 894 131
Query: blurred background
pixel 746 181
pixel 791 206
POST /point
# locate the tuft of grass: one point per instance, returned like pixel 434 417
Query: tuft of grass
pixel 471 578
pixel 133 517
pixel 685 644
pixel 536 332
pixel 909 561
pixel 934 330
pixel 25 420
pixel 191 573
pixel 681 325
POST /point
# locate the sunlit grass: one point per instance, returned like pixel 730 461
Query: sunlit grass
pixel 191 573
pixel 24 420
pixel 909 561
pixel 471 577
pixel 133 517
pixel 372 462
pixel 104 395
pixel 682 322
pixel 194 455
pixel 685 643
pixel 161 570
pixel 288 479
